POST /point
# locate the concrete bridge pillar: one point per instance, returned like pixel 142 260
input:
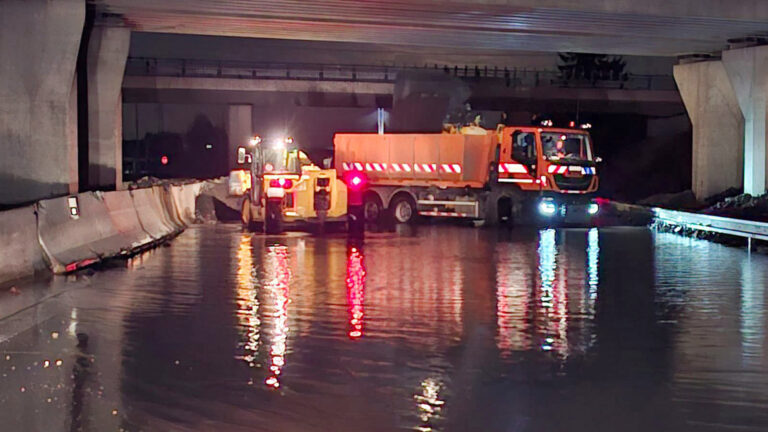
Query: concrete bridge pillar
pixel 39 41
pixel 748 72
pixel 718 126
pixel 107 53
pixel 239 130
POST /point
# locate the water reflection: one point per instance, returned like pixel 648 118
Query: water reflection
pixel 593 253
pixel 428 404
pixel 278 275
pixel 552 314
pixel 446 329
pixel 247 302
pixel 355 291
pixel 564 282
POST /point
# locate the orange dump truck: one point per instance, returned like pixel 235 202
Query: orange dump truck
pixel 496 176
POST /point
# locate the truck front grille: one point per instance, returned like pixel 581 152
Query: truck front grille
pixel 573 183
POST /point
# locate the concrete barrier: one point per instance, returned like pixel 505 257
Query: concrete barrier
pixel 125 220
pixel 185 197
pixel 20 253
pixel 150 214
pixel 105 224
pixel 169 207
pixel 69 242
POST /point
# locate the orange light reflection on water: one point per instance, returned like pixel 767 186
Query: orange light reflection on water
pixel 279 275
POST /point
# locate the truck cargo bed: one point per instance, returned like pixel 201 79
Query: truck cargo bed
pixel 443 160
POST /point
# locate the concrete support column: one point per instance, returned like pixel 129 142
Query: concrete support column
pixel 39 41
pixel 748 71
pixel 107 53
pixel 718 126
pixel 239 130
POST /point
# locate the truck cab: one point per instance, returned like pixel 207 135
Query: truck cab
pixel 558 163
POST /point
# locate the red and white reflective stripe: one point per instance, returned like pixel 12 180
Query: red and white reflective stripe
pixel 368 167
pixel 560 169
pixel 396 167
pixel 512 168
pixel 425 167
pixel 544 180
pixel 451 168
pixel 378 167
pixel 514 180
pixel 359 166
pixel 347 167
pixel 406 168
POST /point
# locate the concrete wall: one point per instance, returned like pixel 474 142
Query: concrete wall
pixel 39 43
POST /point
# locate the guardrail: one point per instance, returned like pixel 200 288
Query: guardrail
pixel 715 224
pixel 511 77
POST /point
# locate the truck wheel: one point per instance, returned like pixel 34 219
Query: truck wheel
pixel 246 216
pixel 273 220
pixel 403 209
pixel 504 212
pixel 372 208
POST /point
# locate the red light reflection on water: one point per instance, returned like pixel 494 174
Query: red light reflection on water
pixel 355 292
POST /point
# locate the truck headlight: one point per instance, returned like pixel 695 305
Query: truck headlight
pixel 593 208
pixel 547 208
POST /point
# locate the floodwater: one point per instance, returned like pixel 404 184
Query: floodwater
pixel 430 328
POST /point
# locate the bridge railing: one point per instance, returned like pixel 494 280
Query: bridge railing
pixel 509 77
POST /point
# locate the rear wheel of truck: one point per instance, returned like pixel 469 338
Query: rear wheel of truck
pixel 403 209
pixel 372 208
pixel 246 215
pixel 504 211
pixel 273 220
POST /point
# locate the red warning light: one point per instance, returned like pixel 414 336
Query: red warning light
pixel 164 160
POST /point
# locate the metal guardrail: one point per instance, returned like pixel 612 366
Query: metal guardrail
pixel 511 77
pixel 716 224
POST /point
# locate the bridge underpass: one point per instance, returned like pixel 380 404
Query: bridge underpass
pixel 90 123
pixel 429 326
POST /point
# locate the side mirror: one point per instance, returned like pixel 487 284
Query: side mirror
pixel 241 155
pixel 327 163
pixel 248 159
pixel 598 159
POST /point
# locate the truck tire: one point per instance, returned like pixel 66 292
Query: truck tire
pixel 403 209
pixel 246 215
pixel 273 219
pixel 372 208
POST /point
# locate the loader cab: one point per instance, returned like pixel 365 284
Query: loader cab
pixel 284 161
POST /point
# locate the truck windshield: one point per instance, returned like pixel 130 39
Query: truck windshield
pixel 566 146
pixel 278 160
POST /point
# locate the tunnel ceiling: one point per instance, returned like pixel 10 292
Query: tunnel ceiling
pixel 641 27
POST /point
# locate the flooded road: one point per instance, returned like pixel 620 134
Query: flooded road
pixel 440 328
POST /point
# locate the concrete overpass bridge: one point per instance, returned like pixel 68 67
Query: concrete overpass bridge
pixel 63 64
